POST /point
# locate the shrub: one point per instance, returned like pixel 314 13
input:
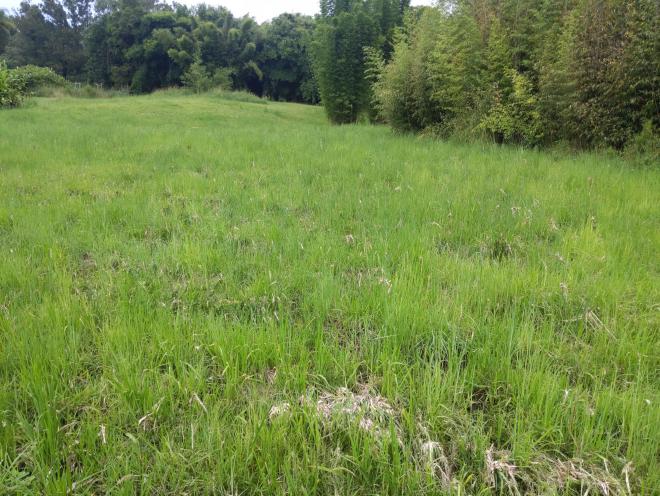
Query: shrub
pixel 404 91
pixel 514 118
pixel 16 84
pixel 196 78
pixel 433 80
pixel 222 78
pixel 644 148
pixel 35 77
pixel 12 88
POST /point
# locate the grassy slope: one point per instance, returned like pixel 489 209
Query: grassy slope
pixel 164 256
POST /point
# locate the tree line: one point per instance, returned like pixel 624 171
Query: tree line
pixel 143 45
pixel 530 72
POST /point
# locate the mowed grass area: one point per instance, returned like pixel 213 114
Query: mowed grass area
pixel 211 296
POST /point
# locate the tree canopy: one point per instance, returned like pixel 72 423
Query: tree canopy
pixel 143 45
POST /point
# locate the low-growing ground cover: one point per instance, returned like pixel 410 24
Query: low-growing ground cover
pixel 211 296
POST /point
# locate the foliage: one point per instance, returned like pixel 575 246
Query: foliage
pixel 585 72
pixel 12 88
pixel 374 68
pixel 285 59
pixel 197 78
pixel 50 35
pixel 7 28
pixel 345 30
pixel 405 91
pixel 18 83
pixel 457 71
pixel 580 72
pixel 615 65
pixel 144 46
pixel 222 78
pixel 339 64
pixel 514 117
pixel 35 77
pixel 644 147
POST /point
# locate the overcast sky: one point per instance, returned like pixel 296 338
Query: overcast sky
pixel 262 10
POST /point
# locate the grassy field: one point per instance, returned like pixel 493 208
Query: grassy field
pixel 209 296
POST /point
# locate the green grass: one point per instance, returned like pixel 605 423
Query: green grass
pixel 173 267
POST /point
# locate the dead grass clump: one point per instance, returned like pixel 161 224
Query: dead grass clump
pixel 554 474
pixel 500 468
pixel 279 410
pixel 368 410
pixel 365 409
pixel 435 461
pixel 375 416
pixel 591 479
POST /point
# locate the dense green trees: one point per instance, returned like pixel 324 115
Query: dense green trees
pixel 6 30
pixel 285 59
pixel 134 44
pixel 613 64
pixel 404 90
pixel 531 72
pixel 345 30
pixel 50 34
pixel 144 45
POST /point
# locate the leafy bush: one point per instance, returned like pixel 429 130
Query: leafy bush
pixel 196 77
pixel 393 99
pixel 644 148
pixel 21 82
pixel 35 77
pixel 404 92
pixel 432 83
pixel 12 88
pixel 222 78
pixel 514 118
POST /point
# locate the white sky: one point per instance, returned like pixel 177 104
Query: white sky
pixel 262 10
